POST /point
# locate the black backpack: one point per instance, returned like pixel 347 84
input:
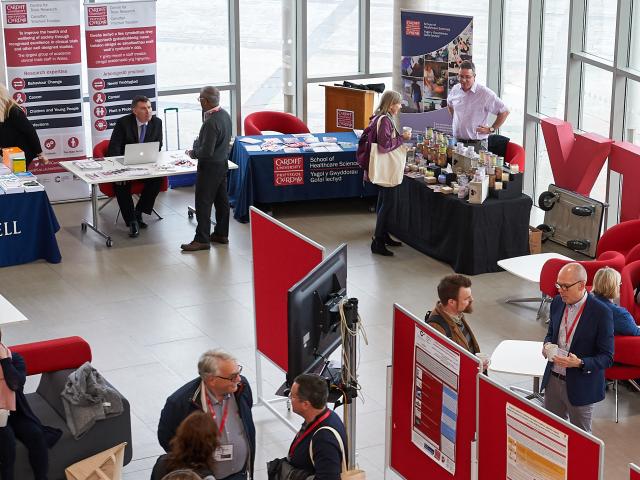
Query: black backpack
pixel 438 320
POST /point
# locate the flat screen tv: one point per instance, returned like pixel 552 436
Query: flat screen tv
pixel 313 317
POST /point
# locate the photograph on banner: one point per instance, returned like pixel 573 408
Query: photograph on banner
pixel 433 47
pixel 535 450
pixel 435 400
pixel 121 60
pixel 44 77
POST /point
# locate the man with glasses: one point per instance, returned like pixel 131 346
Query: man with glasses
pixel 470 105
pixel 320 431
pixel 221 391
pixel 578 346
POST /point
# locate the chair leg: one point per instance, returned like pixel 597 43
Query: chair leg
pixel 157 214
pixel 117 216
pixel 634 384
pixel 105 203
pixel 542 306
pixel 615 387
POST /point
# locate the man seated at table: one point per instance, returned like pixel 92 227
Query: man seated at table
pixel 455 299
pixel 139 126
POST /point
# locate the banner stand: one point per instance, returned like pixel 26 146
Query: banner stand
pixel 634 473
pixel 268 403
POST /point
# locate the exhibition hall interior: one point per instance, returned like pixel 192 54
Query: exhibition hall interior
pixel 420 213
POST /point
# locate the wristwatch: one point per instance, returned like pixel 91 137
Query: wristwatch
pixel 581 365
pixel 492 129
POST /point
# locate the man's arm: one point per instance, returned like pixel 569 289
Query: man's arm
pixel 327 456
pixel 117 142
pixel 167 425
pixel 206 142
pixel 603 357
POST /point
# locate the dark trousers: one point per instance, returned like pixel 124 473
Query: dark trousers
pixel 386 198
pixel 31 435
pixel 211 189
pixel 145 203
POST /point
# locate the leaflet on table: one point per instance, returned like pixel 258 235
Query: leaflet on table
pixel 435 400
pixel 19 183
pixel 249 140
pixel 88 164
pixel 535 450
pixel 253 148
pixel 291 150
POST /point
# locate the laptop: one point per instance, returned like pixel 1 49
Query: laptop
pixel 136 153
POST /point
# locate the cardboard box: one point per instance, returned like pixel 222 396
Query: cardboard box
pixel 478 191
pixel 14 158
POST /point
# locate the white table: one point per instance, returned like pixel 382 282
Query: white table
pixel 152 170
pixel 520 357
pixel 529 267
pixel 9 313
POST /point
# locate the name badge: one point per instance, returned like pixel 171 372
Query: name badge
pixel 223 453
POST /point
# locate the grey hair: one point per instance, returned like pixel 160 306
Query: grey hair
pixel 208 363
pixel 212 94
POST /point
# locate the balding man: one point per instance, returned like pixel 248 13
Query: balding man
pixel 211 148
pixel 579 347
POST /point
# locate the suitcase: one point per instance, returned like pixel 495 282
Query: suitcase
pixel 571 219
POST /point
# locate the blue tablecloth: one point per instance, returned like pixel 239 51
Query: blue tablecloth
pixel 273 177
pixel 28 229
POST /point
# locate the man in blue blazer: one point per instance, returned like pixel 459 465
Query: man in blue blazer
pixel 579 347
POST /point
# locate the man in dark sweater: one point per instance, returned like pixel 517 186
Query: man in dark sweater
pixel 320 431
pixel 211 148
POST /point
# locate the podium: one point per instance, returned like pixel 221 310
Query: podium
pixel 346 108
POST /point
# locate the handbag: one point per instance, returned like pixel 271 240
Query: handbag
pixel 386 169
pixel 355 474
pixel 281 469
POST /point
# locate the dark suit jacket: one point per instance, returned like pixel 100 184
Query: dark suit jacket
pixel 126 131
pixel 592 342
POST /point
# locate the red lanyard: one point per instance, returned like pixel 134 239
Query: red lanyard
pixel 569 331
pixel 299 438
pixel 225 412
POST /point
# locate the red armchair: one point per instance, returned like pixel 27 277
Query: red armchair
pixel 282 122
pixel 626 364
pixel 621 238
pixel 630 281
pixel 100 151
pixel 514 155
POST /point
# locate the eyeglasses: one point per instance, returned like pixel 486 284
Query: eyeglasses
pixel 465 77
pixel 233 375
pixel 200 98
pixel 564 287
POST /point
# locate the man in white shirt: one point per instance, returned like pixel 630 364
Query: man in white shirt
pixel 470 104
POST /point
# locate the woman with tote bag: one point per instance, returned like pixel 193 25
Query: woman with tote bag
pixel 387 143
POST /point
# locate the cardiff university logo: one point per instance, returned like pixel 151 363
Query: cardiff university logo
pixel 412 28
pixel 16 13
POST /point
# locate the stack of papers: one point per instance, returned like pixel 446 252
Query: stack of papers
pixel 88 164
pixel 33 186
pixel 11 184
pixel 250 140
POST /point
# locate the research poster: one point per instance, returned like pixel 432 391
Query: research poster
pixel 535 450
pixel 433 47
pixel 121 60
pixel 435 400
pixel 44 71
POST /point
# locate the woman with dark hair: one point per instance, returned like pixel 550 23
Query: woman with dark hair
pixel 22 423
pixel 191 448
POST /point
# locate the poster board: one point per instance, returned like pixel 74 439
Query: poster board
pixel 432 47
pixel 433 405
pixel 521 440
pixel 281 258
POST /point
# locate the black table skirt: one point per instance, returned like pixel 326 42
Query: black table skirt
pixel 469 237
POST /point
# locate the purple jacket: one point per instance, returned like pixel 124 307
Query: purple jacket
pixel 384 137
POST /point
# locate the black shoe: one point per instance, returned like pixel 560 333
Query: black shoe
pixel 139 220
pixel 134 229
pixel 391 242
pixel 378 247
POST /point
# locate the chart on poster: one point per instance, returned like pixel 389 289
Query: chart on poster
pixel 121 60
pixel 435 400
pixel 535 450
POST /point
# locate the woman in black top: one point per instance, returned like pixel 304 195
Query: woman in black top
pixel 16 129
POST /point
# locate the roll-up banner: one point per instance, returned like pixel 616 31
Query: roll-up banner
pixel 121 60
pixel 44 72
pixel 433 47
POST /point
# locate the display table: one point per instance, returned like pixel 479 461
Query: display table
pixel 28 229
pixel 274 177
pixel 520 357
pixel 9 313
pixel 469 237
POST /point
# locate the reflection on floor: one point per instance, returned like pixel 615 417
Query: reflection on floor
pixel 148 311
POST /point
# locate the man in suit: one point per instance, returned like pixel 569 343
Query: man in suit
pixel 137 127
pixel 579 347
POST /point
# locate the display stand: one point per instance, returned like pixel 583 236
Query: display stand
pixel 518 439
pixel 634 472
pixel 433 403
pixel 346 108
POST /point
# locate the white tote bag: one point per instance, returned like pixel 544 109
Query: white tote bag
pixel 354 474
pixel 386 169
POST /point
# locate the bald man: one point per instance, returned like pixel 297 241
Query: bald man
pixel 579 347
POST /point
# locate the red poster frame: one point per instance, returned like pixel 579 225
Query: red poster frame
pixel 405 457
pixel 586 452
pixel 281 258
pixel 634 472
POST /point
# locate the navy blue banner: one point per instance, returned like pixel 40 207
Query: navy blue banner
pixel 28 229
pixel 424 32
pixel 274 177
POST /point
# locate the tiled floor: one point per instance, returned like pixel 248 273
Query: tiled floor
pixel 148 311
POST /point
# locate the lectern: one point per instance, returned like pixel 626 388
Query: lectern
pixel 346 108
